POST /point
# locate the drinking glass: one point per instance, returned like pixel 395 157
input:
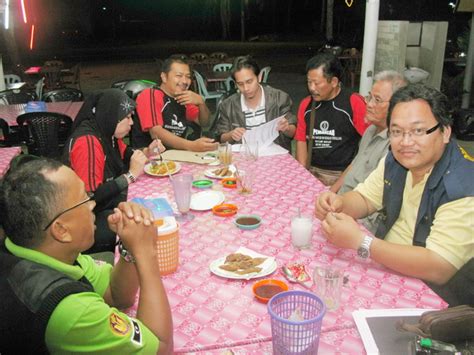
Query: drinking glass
pixel 328 285
pixel 249 150
pixel 182 195
pixel 245 181
pixel 225 153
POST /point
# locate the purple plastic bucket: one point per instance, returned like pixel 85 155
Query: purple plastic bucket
pixel 296 318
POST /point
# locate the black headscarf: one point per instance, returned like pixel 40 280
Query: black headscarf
pixel 99 115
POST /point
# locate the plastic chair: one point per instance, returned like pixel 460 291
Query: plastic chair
pixel 52 76
pixel 11 79
pixel 72 76
pixel 202 88
pixel 218 55
pixel 263 75
pixel 11 135
pixel 67 94
pixel 198 56
pixel 11 97
pixel 54 63
pixel 5 133
pixel 44 133
pixel 222 67
pixel 39 88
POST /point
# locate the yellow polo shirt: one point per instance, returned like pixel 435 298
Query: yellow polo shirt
pixel 452 232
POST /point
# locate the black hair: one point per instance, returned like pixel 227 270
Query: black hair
pixel 28 200
pixel 329 63
pixel 244 62
pixel 437 101
pixel 168 62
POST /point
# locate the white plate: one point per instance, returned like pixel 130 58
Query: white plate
pixel 268 266
pixel 205 200
pixel 210 173
pixel 148 166
pixel 267 270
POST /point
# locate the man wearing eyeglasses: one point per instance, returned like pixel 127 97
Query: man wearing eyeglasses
pixel 374 143
pixel 424 189
pixel 56 300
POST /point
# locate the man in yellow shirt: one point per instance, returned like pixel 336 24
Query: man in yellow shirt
pixel 424 189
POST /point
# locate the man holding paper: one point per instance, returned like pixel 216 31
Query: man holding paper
pixel 253 106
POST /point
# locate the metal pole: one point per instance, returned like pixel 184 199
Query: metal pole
pixel 242 20
pixel 370 44
pixel 467 85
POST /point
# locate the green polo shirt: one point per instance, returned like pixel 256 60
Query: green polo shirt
pixel 83 322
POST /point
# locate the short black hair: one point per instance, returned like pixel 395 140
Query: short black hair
pixel 244 62
pixel 328 62
pixel 437 101
pixel 168 62
pixel 28 200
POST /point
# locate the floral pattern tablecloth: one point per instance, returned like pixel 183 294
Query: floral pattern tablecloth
pixel 211 314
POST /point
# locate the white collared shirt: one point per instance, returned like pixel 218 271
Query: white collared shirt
pixel 254 117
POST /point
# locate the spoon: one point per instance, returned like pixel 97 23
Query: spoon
pixel 290 277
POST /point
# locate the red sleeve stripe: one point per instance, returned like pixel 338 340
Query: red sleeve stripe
pixel 91 163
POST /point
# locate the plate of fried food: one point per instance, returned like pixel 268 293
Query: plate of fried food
pixel 244 264
pixel 220 172
pixel 162 168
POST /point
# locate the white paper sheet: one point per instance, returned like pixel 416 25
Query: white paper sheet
pixel 264 135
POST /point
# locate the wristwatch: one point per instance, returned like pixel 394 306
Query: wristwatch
pixel 125 254
pixel 364 249
pixel 132 178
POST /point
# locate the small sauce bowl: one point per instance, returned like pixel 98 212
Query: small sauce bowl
pixel 224 210
pixel 265 289
pixel 248 221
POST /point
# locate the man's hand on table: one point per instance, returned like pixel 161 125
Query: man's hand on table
pixel 203 144
pixel 327 202
pixel 342 230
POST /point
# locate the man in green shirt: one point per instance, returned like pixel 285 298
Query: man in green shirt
pixel 56 300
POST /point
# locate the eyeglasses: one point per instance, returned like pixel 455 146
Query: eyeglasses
pixel 377 100
pixel 90 197
pixel 415 132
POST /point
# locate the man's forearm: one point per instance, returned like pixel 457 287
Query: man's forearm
pixel 290 132
pixel 301 153
pixel 169 139
pixel 204 115
pixel 153 306
pixel 413 261
pixel 123 285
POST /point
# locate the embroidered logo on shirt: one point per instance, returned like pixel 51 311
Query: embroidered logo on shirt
pixel 137 334
pixel 119 325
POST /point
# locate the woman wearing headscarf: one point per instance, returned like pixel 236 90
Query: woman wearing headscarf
pixel 96 152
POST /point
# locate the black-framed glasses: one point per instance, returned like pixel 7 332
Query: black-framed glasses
pixel 90 197
pixel 416 132
pixel 376 99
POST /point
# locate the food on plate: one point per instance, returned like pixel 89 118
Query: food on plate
pixel 160 168
pixel 222 172
pixel 242 264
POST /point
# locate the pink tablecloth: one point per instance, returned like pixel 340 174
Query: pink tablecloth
pixel 211 313
pixel 10 112
pixel 6 154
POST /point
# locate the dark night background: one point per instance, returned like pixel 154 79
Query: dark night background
pixel 61 24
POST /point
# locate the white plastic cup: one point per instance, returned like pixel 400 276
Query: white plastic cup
pixel 301 232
